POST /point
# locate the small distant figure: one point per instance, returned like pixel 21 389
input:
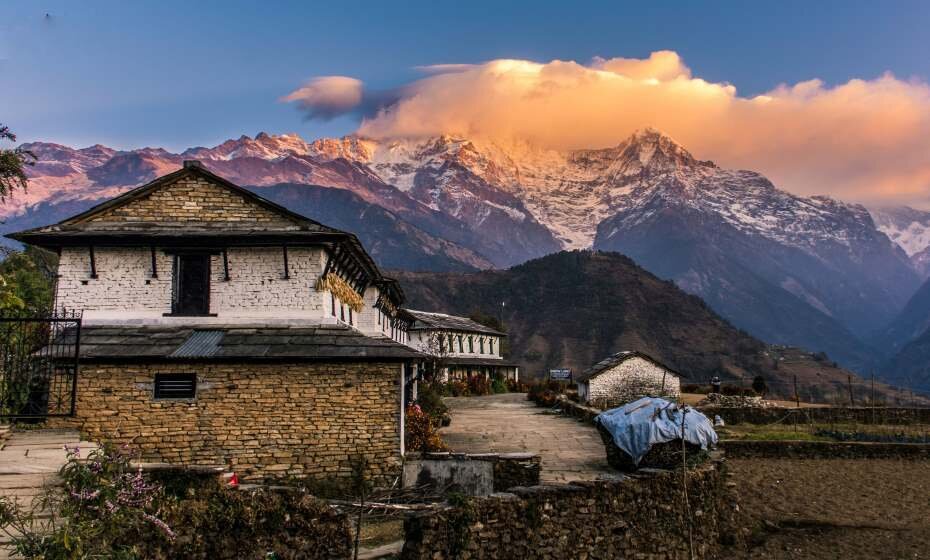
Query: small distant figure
pixel 715 384
pixel 718 421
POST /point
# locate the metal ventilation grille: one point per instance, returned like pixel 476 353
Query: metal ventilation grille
pixel 175 385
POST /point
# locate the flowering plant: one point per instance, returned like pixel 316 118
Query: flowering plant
pixel 103 508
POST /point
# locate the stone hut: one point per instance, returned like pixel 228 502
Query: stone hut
pixel 220 328
pixel 626 376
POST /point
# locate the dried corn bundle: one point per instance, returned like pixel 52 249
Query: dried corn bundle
pixel 339 288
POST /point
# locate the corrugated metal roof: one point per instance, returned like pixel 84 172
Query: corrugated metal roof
pixel 199 344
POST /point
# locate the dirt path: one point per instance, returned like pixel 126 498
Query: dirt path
pixel 29 461
pixel 836 508
pixel 508 423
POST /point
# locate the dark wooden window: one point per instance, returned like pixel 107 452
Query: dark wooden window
pixel 491 345
pixel 461 346
pixel 191 285
pixel 481 345
pixel 175 385
pixel 471 344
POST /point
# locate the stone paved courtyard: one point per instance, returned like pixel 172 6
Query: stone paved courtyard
pixel 509 423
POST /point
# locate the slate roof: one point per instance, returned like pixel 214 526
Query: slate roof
pixel 453 361
pixel 79 224
pixel 235 343
pixel 617 359
pixel 424 320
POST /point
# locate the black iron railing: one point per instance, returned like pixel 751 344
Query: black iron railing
pixel 39 365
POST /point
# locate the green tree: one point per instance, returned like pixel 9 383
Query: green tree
pixel 26 281
pixel 13 163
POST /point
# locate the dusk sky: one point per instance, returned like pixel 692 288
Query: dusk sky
pixel 180 74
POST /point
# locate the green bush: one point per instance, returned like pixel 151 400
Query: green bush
pixel 429 397
pixel 498 386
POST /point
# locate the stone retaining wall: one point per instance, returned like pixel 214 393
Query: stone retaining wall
pixel 579 411
pixel 640 516
pixel 822 415
pixel 474 474
pixel 740 449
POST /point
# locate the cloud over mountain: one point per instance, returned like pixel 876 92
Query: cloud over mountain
pixel 865 140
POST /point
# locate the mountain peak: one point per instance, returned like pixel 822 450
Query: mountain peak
pixel 649 150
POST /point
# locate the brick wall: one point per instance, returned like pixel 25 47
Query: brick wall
pixel 124 287
pixel 631 379
pixel 261 420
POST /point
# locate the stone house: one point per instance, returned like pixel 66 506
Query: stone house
pixel 458 347
pixel 627 376
pixel 221 328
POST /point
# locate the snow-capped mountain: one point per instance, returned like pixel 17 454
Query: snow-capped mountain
pixel 798 270
pixel 910 229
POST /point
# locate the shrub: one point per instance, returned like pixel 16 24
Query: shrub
pixel 544 393
pixel 479 385
pixel 695 388
pixel 517 386
pixel 106 509
pixel 422 433
pixel 498 386
pixel 429 397
pixel 737 391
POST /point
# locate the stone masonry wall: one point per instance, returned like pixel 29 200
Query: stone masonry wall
pixel 820 415
pixel 262 420
pixel 631 379
pixel 194 200
pixel 124 287
pixel 637 517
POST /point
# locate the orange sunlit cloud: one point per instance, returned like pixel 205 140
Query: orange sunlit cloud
pixel 866 140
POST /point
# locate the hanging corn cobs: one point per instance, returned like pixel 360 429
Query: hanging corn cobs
pixel 339 288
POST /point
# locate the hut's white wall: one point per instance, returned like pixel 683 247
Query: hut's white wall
pixel 633 378
pixel 125 291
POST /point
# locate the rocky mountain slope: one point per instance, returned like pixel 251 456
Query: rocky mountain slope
pixel 794 270
pixel 910 367
pixel 805 271
pixel 571 309
pixel 910 229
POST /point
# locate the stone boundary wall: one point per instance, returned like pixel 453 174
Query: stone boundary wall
pixel 852 415
pixel 640 516
pixel 579 411
pixel 478 474
pixel 740 449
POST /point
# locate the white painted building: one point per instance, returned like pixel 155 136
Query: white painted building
pixel 257 263
pixel 460 347
pixel 625 377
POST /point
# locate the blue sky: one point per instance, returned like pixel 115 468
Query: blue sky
pixel 177 74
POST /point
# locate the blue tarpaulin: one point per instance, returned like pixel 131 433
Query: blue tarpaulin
pixel 639 425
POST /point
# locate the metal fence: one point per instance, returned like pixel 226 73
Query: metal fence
pixel 39 365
